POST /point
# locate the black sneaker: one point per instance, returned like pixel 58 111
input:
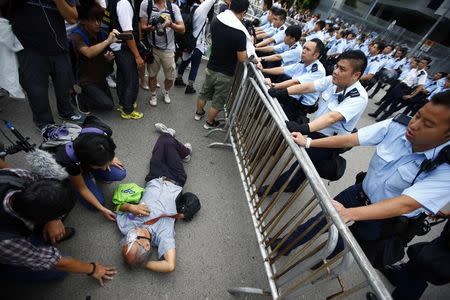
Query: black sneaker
pixel 190 90
pixel 214 124
pixel 179 82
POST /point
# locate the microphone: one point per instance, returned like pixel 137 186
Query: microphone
pixel 45 165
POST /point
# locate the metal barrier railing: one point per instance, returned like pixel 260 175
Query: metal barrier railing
pixel 264 150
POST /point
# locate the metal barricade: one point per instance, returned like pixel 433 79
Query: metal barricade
pixel 264 150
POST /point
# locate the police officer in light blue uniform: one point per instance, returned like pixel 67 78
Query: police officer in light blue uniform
pixel 288 52
pixel 340 106
pixel 408 174
pixel 374 63
pixel 309 70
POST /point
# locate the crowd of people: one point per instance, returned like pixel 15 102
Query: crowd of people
pixel 320 70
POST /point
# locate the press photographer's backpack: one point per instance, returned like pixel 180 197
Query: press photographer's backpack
pixel 186 41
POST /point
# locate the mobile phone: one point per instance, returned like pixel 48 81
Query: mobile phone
pixel 124 36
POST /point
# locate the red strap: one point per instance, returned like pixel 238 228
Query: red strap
pixel 154 220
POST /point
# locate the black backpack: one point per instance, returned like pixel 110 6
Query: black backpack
pixel 186 41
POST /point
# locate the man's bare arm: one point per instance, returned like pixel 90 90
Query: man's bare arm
pixel 164 266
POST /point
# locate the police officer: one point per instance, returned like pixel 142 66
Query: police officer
pixel 309 70
pixel 374 62
pixel 412 84
pixel 407 174
pixel 417 99
pixel 341 105
pixel 288 52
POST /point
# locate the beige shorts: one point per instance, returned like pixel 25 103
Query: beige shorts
pixel 163 59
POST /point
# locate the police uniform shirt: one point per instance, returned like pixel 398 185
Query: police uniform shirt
pixel 441 82
pixel 394 63
pixel 266 26
pixel 303 74
pixel 430 85
pixel 279 35
pixel 438 90
pixel 405 70
pixel 349 45
pixel 393 167
pixel 280 48
pixel 292 56
pixel 316 35
pixel 263 19
pixel 337 48
pixel 351 108
pixel 415 77
pixel 373 64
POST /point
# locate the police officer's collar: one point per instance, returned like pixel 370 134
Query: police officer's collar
pixel 350 89
pixel 312 65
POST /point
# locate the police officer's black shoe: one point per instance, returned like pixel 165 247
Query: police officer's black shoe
pixel 373 115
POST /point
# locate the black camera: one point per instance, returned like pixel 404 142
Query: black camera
pixel 158 23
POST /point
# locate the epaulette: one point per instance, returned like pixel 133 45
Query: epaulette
pixel 353 93
pixel 314 68
pixel 421 73
pixel 402 119
pixel 293 46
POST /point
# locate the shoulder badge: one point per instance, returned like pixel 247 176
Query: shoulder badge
pixel 402 119
pixel 353 93
pixel 314 68
pixel 293 46
pixel 421 73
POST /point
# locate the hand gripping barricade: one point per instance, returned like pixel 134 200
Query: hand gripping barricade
pixel 264 150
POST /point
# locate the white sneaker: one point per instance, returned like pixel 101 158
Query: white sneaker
pixel 166 97
pixel 111 83
pixel 188 158
pixel 153 100
pixel 160 127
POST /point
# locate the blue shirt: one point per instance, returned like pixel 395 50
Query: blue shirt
pixel 351 108
pixel 279 35
pixel 302 74
pixel 393 167
pixel 292 56
pixel 374 64
pixel 263 19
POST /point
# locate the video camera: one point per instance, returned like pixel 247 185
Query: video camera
pixel 158 23
pixel 22 144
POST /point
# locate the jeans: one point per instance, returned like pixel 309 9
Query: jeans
pixel 23 274
pixel 34 70
pixel 363 230
pixel 167 161
pixel 127 79
pixel 195 60
pixel 97 96
pixel 115 174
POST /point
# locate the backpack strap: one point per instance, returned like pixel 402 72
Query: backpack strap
pixel 93 130
pixel 71 152
pixel 169 7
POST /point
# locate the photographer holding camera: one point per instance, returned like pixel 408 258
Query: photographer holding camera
pixel 161 20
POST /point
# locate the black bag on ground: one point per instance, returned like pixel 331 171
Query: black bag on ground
pixel 187 204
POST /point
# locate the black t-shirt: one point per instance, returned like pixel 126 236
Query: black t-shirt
pixel 38 25
pixel 75 168
pixel 226 41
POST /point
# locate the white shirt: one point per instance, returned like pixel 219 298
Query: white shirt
pixel 125 14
